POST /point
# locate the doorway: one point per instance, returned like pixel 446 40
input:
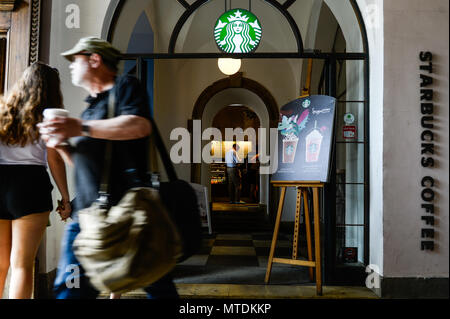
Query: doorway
pixel 336 41
pixel 235 116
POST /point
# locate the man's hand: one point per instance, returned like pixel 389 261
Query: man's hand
pixel 61 127
pixel 120 128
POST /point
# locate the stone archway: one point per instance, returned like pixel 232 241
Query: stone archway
pixel 234 81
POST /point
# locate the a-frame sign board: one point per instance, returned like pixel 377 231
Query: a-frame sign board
pixel 304 147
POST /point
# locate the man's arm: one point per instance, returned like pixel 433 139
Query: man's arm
pixel 120 128
pixel 123 127
pixel 236 157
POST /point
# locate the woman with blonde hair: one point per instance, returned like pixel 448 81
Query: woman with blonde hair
pixel 25 187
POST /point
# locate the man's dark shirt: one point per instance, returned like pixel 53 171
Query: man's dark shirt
pixel 89 153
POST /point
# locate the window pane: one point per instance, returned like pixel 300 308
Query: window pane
pixel 350 122
pixel 350 80
pixel 349 163
pixel 350 244
pixel 128 67
pixel 350 218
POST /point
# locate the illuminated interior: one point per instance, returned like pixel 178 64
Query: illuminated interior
pixel 219 148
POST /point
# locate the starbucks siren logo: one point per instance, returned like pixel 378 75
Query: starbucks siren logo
pixel 237 31
pixel 306 103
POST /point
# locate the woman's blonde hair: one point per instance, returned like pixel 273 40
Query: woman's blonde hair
pixel 38 88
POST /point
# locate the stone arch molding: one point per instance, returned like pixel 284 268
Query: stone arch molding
pixel 115 8
pixel 237 81
pixel 347 14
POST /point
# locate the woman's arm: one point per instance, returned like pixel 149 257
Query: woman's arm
pixel 65 151
pixel 58 170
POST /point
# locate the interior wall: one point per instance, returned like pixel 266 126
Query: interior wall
pixel 61 38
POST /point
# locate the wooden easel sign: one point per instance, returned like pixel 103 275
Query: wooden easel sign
pixel 312 262
pixel 304 146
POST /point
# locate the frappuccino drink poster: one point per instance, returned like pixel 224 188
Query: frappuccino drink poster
pixel 305 134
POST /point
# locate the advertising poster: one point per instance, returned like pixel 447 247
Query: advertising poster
pixel 305 135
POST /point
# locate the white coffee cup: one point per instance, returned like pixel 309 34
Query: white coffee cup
pixel 51 114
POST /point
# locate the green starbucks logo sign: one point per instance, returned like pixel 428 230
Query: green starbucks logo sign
pixel 237 31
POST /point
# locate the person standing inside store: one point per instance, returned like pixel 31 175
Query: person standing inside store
pixel 25 186
pixel 94 67
pixel 234 175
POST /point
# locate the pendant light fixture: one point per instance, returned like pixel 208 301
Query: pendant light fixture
pixel 229 66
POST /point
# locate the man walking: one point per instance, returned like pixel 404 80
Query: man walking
pixel 94 68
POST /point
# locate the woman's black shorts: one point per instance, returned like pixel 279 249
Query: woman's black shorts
pixel 24 190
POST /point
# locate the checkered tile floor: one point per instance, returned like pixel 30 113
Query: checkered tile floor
pixel 238 250
pixel 238 258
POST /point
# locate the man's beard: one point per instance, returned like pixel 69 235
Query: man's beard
pixel 78 76
pixel 78 81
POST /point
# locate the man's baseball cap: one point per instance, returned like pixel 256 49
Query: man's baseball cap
pixel 94 45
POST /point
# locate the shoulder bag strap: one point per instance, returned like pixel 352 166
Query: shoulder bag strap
pixel 168 166
pixel 104 183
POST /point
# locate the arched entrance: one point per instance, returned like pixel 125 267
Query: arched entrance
pixel 336 41
pixel 235 116
pixel 233 82
pixel 231 90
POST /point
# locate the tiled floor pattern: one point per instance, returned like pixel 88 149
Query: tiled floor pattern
pixel 238 250
pixel 232 263
pixel 234 266
pixel 239 259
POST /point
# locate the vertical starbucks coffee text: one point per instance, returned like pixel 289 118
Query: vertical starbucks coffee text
pixel 427 138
